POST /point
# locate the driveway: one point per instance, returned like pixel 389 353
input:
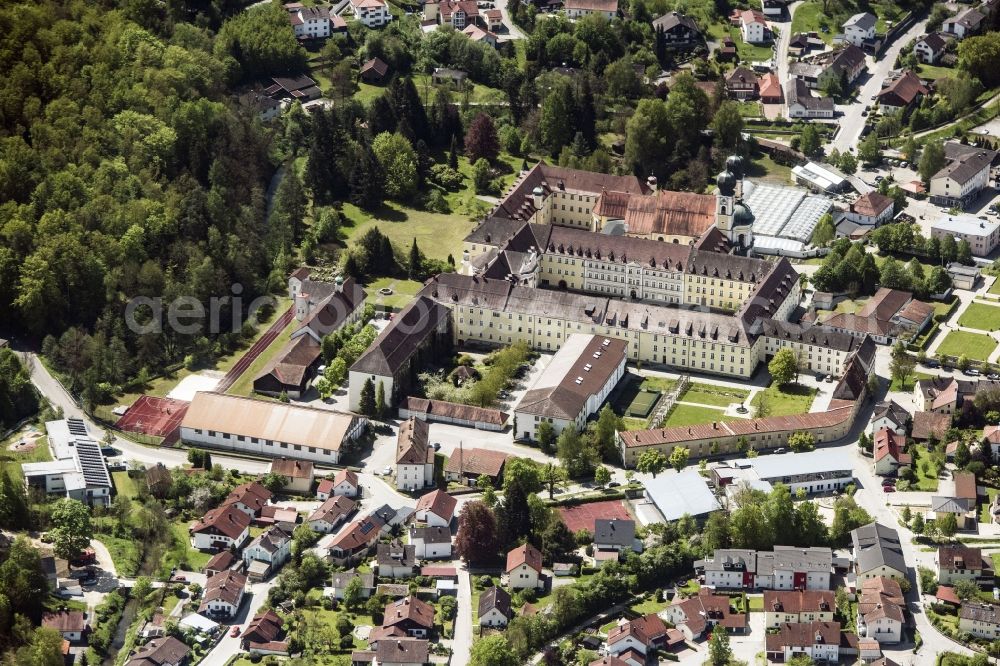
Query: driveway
pixel 513 32
pixel 228 646
pixel 852 122
pixel 462 640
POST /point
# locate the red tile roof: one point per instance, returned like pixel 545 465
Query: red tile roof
pixel 65 621
pixel 226 520
pixel 292 469
pixel 439 503
pixel 409 608
pixel 888 443
pixel 929 424
pixel 798 601
pixel 871 204
pixel 526 554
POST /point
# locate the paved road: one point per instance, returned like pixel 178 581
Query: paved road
pixel 148 455
pixel 462 640
pixel 852 122
pixel 784 36
pixel 513 32
pixel 228 646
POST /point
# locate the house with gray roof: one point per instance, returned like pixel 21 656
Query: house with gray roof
pixel 877 552
pixel 615 535
pixel 965 174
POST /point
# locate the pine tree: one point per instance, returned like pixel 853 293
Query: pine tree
pixel 586 115
pixel 380 401
pixel 381 116
pixel 367 184
pixel 453 153
pixel 367 405
pixel 414 264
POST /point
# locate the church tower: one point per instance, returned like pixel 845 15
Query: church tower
pixel 732 217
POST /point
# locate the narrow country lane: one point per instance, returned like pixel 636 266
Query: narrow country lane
pixel 462 640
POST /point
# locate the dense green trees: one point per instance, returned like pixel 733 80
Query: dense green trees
pixel 18 397
pixel 257 42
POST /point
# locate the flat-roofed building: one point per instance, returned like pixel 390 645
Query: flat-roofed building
pixel 267 428
pixel 77 469
pixel 983 236
pixel 573 386
pixel 684 493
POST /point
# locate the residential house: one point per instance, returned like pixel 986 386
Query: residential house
pixel 221 528
pixel 818 640
pixel 965 486
pixel 264 635
pixel 963 277
pixel 784 607
pixel 774 9
pixel 467 465
pixel 983 236
pixel 494 608
pixel 163 651
pixel 770 89
pixel 395 560
pixel 456 13
pixel 784 568
pixel 431 543
pixel 524 567
pixel 636 636
pixel 223 594
pixel 753 25
pixel 250 498
pixel 859 30
pixel 477 34
pixel 930 48
pixel 331 514
pixel 901 92
pixel 742 84
pixel 268 552
pixel 845 63
pixel 871 209
pixel 958 562
pixel 889 414
pixel 371 13
pixel 72 624
pixel 293 89
pixel 963 510
pixel 930 425
pixel 581 376
pixel 941 395
pixel 219 562
pixel 414 456
pixel 991 433
pixel 340 580
pixel 410 615
pixel 272 514
pixel 577 9
pixel 344 483
pixel 696 616
pixel 888 450
pixel 155 627
pixel 158 480
pixel 614 536
pixel 421 331
pixel 374 71
pixel 323 307
pixel 436 509
pixel 298 474
pixel 803 104
pixel 357 539
pixel 963 24
pixel 980 620
pixel 881 610
pixel 877 552
pixel 965 174
pixel 312 22
pixel 677 30
pixel 395 652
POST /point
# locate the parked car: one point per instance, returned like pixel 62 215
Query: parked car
pixel 972 372
pixel 780 449
pixel 888 489
pixel 235 632
pixel 994 376
pixel 931 363
pixel 613 484
pixel 386 471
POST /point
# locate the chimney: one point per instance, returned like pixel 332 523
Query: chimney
pixel 651 183
pixel 301 306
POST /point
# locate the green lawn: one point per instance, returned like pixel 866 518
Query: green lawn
pixel 809 17
pixel 657 384
pixel 908 386
pixel 764 168
pixel 984 509
pixel 749 52
pixel 438 235
pixel 125 484
pixel 787 400
pixel 683 415
pixel 12 460
pixel 478 94
pixel 981 316
pixel 936 72
pixel 926 480
pixel 708 394
pixel 849 306
pixel 750 109
pixel 244 385
pixel 756 603
pixel 632 423
pixel 403 291
pixel 650 605
pixel 974 345
pixel 182 555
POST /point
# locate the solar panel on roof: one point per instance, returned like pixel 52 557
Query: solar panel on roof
pixel 367 527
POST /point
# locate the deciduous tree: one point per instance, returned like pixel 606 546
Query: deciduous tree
pixel 476 541
pixel 481 140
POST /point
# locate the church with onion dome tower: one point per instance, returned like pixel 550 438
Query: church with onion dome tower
pixel 732 216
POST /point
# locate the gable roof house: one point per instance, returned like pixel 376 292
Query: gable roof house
pixel 395 560
pixel 770 89
pixel 268 552
pixel 436 508
pixel 250 498
pixel 414 456
pixel 524 567
pixel 871 208
pixel 967 22
pixel 965 174
pixel 223 594
pixel 959 562
pixel 431 543
pixel 818 640
pixel 263 635
pixel 792 606
pixel 930 48
pixel 696 616
pixel 340 580
pixel 677 29
pixel 881 610
pixel 344 483
pixel 298 474
pixel 357 539
pixel 221 528
pixel 877 552
pixel 888 316
pixel 742 84
pixel 71 624
pixel 753 25
pixel 372 13
pixel 963 509
pixel 802 103
pixel 902 92
pixel 980 620
pixel 888 449
pixel 889 414
pixel 374 71
pixel 329 515
pixel 930 425
pixel 576 9
pixel 859 30
pixel 411 615
pixel 494 608
pixel 164 651
pixel 615 535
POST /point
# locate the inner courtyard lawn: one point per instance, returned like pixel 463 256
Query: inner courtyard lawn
pixel 981 316
pixel 973 345
pixel 786 400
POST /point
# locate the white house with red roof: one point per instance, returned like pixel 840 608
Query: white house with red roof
pixel 344 483
pixel 371 13
pixel 436 509
pixel 223 527
pixel 524 567
pixel 753 25
pixel 889 455
pixel 250 498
